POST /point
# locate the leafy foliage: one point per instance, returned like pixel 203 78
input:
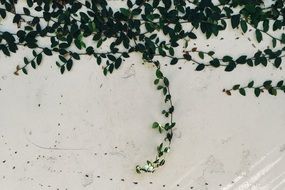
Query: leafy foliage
pixel 267 86
pixel 70 26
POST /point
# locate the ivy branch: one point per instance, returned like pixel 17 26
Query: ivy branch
pixel 151 28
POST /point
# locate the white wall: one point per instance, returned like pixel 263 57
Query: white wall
pixel 56 129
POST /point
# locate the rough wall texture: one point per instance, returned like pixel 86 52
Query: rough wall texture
pixel 84 131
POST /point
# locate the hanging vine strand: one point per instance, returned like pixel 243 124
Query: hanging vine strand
pixel 154 29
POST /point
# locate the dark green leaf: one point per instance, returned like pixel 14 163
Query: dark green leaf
pixel 200 67
pixel 215 63
pixel 166 81
pixel 173 61
pixel 201 55
pixel 243 25
pixel 47 51
pixel 159 74
pixel 235 87
pixel 257 92
pixel 69 64
pixel 250 85
pixel 39 59
pixel 258 35
pixel 277 62
pixel 242 91
pixel 231 66
pixel 235 19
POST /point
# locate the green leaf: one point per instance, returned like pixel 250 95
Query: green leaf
pixel 215 63
pixel 274 42
pixel 227 58
pixel 111 68
pixel 249 62
pixel 24 70
pixel 235 87
pixel 6 51
pixel 76 56
pixel 30 3
pixel 125 12
pixel 173 61
pixel 267 83
pixel 241 59
pixel 242 91
pixel 26 61
pixel 62 69
pixel 33 64
pixel 26 11
pixel 47 51
pixel 69 64
pixel 200 67
pixel 156 81
pixel 235 20
pixel 277 62
pixel 280 83
pixel 129 3
pixel 99 43
pixel 231 66
pixel 272 91
pixel 62 59
pixel 39 59
pixel 283 38
pixel 243 25
pixel 265 25
pixel 250 84
pixel 166 81
pixel 257 92
pixel 192 35
pixel 201 55
pixel 155 125
pixel 159 74
pixel 258 35
pixel 171 51
pixel 187 56
pixel 118 63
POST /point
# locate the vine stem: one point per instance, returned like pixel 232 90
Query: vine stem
pixel 162 149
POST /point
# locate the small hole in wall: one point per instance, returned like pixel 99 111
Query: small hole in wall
pixel 150 182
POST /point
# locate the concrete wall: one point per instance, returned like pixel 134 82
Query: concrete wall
pixel 84 131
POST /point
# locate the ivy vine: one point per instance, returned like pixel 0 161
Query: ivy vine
pixel 71 29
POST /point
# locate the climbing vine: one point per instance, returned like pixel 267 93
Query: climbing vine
pixel 70 29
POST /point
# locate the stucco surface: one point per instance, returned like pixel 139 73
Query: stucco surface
pixel 85 131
